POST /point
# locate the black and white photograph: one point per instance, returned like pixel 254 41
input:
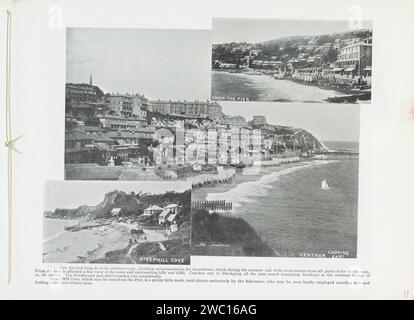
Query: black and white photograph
pixel 291 60
pixel 183 151
pixel 268 179
pixel 117 222
pixel 294 188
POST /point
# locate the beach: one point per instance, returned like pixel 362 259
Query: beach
pixel 287 208
pixel 88 245
pixel 261 87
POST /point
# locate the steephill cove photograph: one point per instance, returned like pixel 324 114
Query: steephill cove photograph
pixel 291 60
pixel 117 222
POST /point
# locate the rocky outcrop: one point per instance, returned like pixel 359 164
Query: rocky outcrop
pixel 115 199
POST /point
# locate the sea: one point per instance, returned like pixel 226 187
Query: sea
pixel 291 213
pixel 53 228
pixel 226 86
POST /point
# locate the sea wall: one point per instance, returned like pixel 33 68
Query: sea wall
pixel 226 175
pixel 275 161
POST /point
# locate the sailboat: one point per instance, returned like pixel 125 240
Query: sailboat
pixel 324 185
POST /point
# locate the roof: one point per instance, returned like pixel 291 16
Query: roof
pixel 172 205
pixel 77 136
pixel 90 128
pixel 125 135
pixel 164 213
pixel 171 217
pixel 102 147
pixel 115 210
pixel 153 207
pixel 83 106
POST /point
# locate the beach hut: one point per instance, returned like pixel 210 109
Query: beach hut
pixel 171 228
pixel 151 210
pixel 115 211
pixel 170 210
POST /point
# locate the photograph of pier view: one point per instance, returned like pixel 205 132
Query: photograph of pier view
pixel 268 179
pixel 117 222
pixel 291 60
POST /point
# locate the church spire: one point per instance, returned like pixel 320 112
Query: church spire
pixel 90 79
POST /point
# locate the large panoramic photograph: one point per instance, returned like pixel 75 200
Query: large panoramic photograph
pixel 268 179
pixel 291 61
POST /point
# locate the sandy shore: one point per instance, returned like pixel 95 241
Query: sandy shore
pixel 89 245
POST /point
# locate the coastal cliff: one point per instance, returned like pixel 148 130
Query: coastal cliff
pixel 114 199
pixel 129 204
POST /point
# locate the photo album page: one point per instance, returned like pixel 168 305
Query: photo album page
pixel 207 149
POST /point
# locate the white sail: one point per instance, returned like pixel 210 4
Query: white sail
pixel 324 185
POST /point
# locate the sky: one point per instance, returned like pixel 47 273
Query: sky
pixel 161 64
pixel 258 30
pixel 72 194
pixel 327 122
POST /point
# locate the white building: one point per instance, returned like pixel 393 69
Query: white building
pixel 152 210
pixel 169 213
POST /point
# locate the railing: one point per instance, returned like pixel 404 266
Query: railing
pixel 272 243
pixel 214 205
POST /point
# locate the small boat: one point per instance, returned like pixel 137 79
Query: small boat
pixel 324 185
pixel 74 228
pixel 350 98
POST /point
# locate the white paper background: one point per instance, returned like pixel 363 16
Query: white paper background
pixel 386 206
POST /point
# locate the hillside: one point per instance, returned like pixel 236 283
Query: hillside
pixel 130 205
pixel 215 234
pixel 284 48
pixel 175 250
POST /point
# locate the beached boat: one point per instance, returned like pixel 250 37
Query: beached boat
pixel 74 228
pixel 278 76
pixel 350 98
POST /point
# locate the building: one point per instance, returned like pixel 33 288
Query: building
pixel 255 53
pixel 81 147
pixel 77 93
pixel 169 214
pixel 159 106
pixel 139 106
pixel 259 120
pixel 120 105
pixel 193 109
pixel 115 211
pixel 86 110
pixel 116 122
pixel 153 209
pixel 234 121
pixel 355 58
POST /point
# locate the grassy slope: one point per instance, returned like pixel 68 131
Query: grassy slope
pixel 230 236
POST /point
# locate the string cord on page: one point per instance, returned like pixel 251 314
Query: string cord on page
pixel 10 142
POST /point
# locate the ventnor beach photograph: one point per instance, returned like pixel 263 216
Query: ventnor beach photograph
pixel 298 197
pixel 291 60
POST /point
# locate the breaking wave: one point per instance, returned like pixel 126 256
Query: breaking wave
pixel 246 192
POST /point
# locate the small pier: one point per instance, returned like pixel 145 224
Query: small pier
pixel 337 154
